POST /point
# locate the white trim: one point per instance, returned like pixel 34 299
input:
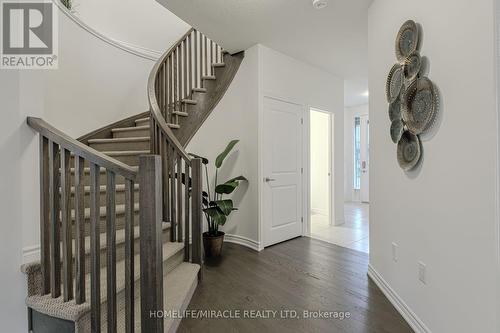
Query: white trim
pixel 31 254
pixel 306 176
pixel 144 51
pixel 244 241
pixel 411 318
pixel 319 211
pixel 339 222
pixel 139 51
pixel 496 50
pixel 260 144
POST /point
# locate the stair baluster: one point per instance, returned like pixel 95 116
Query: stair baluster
pixel 45 212
pixel 111 250
pixel 55 234
pixel 181 83
pixel 80 230
pixel 95 246
pixel 150 201
pixel 58 152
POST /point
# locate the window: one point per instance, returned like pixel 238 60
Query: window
pixel 357 154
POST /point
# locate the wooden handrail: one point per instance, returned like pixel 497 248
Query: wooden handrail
pixel 153 102
pixel 58 153
pixel 170 85
pixel 80 149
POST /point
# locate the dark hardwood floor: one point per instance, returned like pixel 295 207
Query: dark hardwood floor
pixel 301 274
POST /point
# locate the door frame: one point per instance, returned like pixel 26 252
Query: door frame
pixel 354 197
pixel 305 194
pixel 364 147
pixel 307 163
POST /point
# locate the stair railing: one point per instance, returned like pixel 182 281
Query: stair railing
pixel 177 74
pixel 60 157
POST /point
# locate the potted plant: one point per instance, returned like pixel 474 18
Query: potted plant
pixel 216 206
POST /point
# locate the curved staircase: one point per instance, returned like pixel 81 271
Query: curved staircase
pixel 127 189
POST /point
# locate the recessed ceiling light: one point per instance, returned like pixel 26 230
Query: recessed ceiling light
pixel 319 4
pixel 366 93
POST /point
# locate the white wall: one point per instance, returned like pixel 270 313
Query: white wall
pixel 350 113
pixel 143 23
pixel 96 83
pixel 444 214
pixel 262 72
pixel 320 164
pixel 289 79
pixel 236 117
pixel 19 181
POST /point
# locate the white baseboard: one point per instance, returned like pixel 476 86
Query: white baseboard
pixel 339 222
pixel 411 318
pixel 247 242
pixel 31 254
pixel 319 211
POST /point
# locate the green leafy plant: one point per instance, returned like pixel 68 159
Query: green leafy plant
pixel 67 3
pixel 215 206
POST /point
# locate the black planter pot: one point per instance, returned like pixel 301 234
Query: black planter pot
pixel 213 244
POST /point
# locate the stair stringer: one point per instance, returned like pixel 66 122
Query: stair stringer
pixel 206 102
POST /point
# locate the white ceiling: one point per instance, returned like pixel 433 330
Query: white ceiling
pixel 333 38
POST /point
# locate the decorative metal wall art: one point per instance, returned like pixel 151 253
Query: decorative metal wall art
pixel 413 98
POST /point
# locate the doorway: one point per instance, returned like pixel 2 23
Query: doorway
pixel 353 232
pixel 282 171
pixel 321 180
pixel 362 163
pixel 359 163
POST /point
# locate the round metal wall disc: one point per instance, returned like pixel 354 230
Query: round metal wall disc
pixel 394 83
pixel 409 151
pixel 395 110
pixel 412 66
pixel 419 105
pixel 407 40
pixel 397 128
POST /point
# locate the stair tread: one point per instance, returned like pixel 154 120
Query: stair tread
pixel 173 125
pixel 218 64
pixel 178 288
pixel 56 307
pixel 181 113
pixel 132 128
pixel 208 77
pixel 114 140
pixel 101 170
pixel 189 101
pixel 120 238
pixel 126 152
pixel 102 188
pixel 119 209
pixel 202 90
pixel 141 119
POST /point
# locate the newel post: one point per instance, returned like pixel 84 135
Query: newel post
pixel 150 220
pixel 197 215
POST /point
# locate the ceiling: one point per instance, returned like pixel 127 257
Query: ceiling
pixel 334 38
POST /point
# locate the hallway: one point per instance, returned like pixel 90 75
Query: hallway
pixel 298 275
pixel 353 234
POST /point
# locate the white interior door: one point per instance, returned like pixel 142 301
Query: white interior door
pixel 282 167
pixel 365 158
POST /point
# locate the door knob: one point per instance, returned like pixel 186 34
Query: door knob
pixel 267 179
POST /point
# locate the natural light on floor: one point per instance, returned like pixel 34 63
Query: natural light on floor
pixel 352 234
